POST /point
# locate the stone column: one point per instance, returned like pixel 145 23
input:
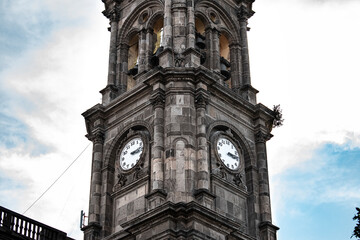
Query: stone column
pixel 142 51
pixel 190 24
pixel 123 67
pixel 201 100
pixel 167 24
pixel 166 58
pixel 112 52
pixel 179 19
pixel 243 19
pixel 235 61
pixel 264 191
pixel 95 186
pixel 215 50
pixel 149 48
pixel 111 91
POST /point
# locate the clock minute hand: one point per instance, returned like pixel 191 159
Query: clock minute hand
pixel 232 155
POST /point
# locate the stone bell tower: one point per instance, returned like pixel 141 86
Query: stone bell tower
pixel 179 140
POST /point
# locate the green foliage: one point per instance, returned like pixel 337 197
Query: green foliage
pixel 357 227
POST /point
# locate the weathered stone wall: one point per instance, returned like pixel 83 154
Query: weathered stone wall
pixel 129 205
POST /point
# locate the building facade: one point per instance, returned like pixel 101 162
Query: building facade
pixel 179 140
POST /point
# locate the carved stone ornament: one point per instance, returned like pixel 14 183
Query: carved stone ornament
pixel 201 100
pixel 139 172
pixel 98 137
pixel 179 60
pixel 239 181
pixel 144 16
pixel 244 14
pixel 213 16
pixel 220 171
pixel 113 14
pixel 121 180
pixel 261 137
pixel 158 99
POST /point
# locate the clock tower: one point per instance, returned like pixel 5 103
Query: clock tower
pixel 179 140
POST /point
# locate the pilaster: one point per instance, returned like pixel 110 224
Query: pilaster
pixel 157 160
pixel 201 100
pixel 95 188
pixel 267 230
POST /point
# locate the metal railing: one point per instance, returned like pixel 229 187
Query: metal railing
pixel 17 226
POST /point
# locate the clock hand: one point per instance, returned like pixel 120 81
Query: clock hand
pixel 136 151
pixel 232 155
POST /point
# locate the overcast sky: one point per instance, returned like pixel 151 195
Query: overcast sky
pixel 304 55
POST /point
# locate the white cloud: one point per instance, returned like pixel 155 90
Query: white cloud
pixel 305 58
pixel 59 80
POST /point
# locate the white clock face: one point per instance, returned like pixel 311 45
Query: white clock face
pixel 130 154
pixel 228 153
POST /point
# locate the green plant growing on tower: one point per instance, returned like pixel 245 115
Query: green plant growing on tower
pixel 356 232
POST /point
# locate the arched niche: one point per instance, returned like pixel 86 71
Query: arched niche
pixel 158 36
pixel 133 61
pixel 225 66
pixel 156 43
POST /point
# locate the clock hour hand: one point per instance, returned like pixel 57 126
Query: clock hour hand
pixel 136 151
pixel 232 155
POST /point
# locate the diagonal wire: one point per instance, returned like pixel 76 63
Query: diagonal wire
pixel 56 179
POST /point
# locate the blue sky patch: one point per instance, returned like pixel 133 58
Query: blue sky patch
pixel 21 30
pixel 318 196
pixel 12 131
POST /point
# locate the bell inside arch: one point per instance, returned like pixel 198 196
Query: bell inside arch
pixel 224 65
pixel 200 41
pixel 154 60
pixel 134 70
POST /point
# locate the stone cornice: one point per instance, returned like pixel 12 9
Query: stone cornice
pixel 191 210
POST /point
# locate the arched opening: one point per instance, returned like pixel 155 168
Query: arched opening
pixel 133 59
pixel 225 59
pixel 199 26
pixel 200 44
pixel 158 43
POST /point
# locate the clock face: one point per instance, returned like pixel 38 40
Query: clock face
pixel 130 154
pixel 228 153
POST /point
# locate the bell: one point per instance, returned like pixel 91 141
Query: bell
pixel 224 64
pixel 202 58
pixel 200 41
pixel 154 60
pixel 134 70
